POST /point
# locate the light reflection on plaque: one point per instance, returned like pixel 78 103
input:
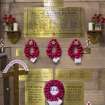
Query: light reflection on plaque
pixel 74 93
pixel 73 74
pixel 68 22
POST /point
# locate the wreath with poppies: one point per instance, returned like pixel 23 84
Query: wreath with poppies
pixel 54 50
pixel 50 86
pixel 31 50
pixel 75 50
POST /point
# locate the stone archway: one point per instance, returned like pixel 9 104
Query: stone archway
pixel 15 73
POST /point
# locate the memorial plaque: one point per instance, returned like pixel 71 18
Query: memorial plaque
pixel 74 93
pixel 35 82
pixel 34 85
pixel 40 75
pixel 73 74
pixel 34 94
pixel 43 22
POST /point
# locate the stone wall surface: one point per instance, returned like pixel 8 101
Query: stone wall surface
pixel 95 97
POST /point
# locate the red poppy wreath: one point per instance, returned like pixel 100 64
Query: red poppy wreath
pixel 75 51
pixel 54 51
pixel 54 92
pixel 31 51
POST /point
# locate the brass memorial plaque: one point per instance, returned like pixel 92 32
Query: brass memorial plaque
pixel 34 94
pixel 35 82
pixel 74 93
pixel 73 74
pixel 43 22
pixel 34 85
pixel 40 75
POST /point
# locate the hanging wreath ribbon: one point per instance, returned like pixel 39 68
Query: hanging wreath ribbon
pixel 31 50
pixel 54 51
pixel 75 51
pixel 54 92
